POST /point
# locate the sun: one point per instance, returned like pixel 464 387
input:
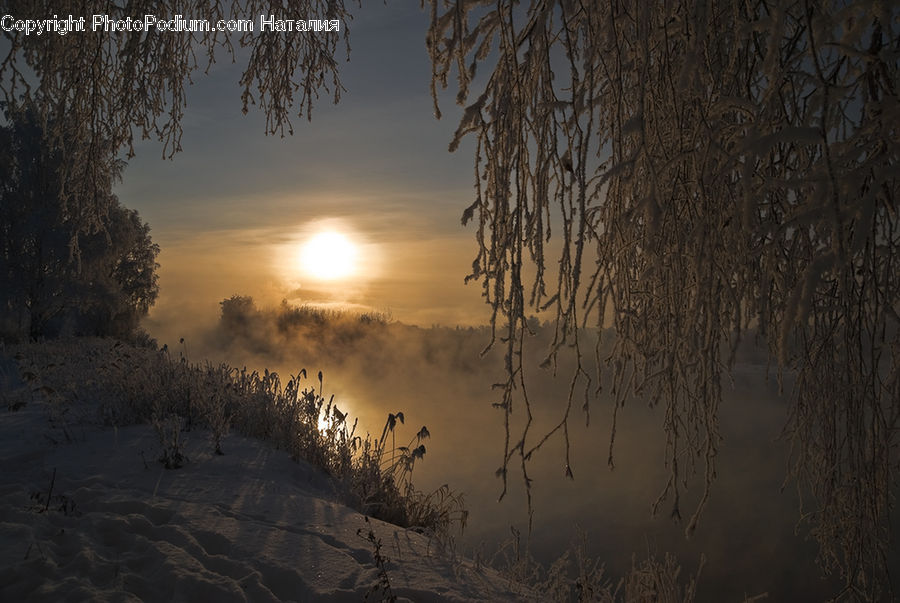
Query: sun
pixel 329 256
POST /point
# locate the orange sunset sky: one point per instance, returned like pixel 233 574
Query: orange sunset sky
pixel 233 217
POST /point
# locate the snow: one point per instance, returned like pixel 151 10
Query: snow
pixel 250 525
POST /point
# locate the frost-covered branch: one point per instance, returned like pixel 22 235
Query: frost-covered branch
pixel 99 90
pixel 683 172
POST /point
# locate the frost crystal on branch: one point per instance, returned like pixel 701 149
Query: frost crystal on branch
pixel 98 90
pixel 684 172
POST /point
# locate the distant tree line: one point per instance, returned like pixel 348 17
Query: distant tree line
pixel 56 276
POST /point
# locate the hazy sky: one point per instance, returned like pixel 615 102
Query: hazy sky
pixel 232 211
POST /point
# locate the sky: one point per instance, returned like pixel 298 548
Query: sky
pixel 232 212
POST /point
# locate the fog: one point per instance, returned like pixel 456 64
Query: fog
pixel 439 378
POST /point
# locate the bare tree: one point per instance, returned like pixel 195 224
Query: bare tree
pixel 106 86
pixel 698 169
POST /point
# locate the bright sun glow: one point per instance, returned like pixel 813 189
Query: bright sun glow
pixel 329 256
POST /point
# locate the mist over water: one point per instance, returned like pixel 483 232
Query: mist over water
pixel 438 378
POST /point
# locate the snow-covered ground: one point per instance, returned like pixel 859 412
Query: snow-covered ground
pixel 87 513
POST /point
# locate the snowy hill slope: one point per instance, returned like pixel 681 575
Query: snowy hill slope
pixel 87 513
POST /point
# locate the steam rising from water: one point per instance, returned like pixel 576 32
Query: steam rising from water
pixel 438 378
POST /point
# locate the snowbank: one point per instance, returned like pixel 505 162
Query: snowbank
pixel 87 513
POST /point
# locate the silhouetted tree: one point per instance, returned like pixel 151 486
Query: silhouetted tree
pixel 238 311
pixel 45 289
pixel 704 168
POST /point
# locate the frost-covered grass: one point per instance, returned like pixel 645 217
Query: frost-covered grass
pixel 88 382
pixel 576 576
pixel 117 384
